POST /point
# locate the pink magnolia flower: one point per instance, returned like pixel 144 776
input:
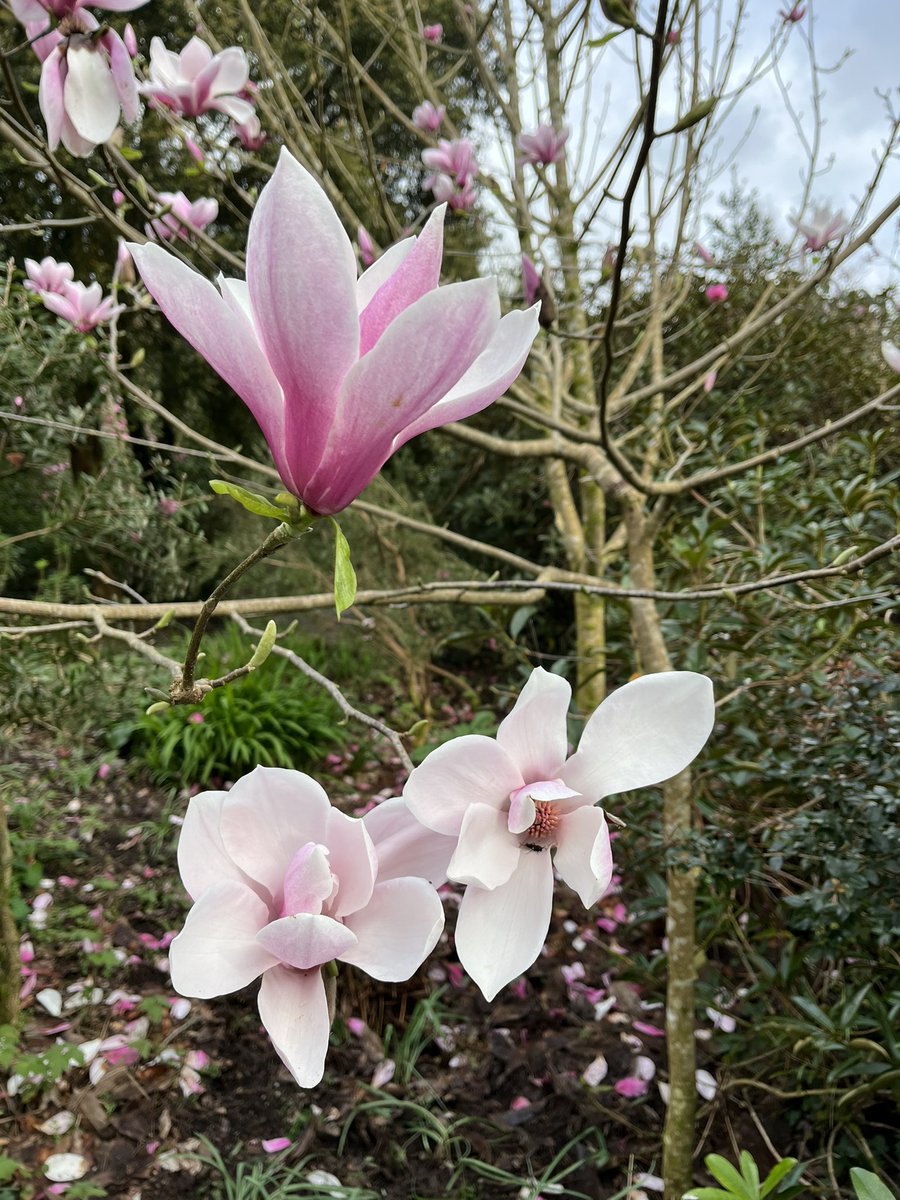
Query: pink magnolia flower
pixel 181 216
pixel 454 158
pixel 129 37
pixel 890 353
pixel 709 380
pixel 531 280
pixel 792 15
pixel 426 116
pixel 433 33
pixel 341 372
pixel 543 147
pixel 47 275
pixel 823 226
pixel 282 884
pixel 36 10
pixel 701 251
pixel 716 293
pixel 196 81
pixel 673 37
pixel 509 800
pixel 87 79
pixel 83 306
pixel 366 246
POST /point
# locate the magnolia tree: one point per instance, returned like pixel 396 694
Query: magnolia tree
pixel 609 215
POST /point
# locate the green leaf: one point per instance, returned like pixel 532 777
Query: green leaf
pixel 708 1194
pixel 520 618
pixel 258 505
pixel 695 115
pixel 344 575
pixel 723 1172
pixel 750 1171
pixel 596 43
pixel 775 1176
pixel 868 1186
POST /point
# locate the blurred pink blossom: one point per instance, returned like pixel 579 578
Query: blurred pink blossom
pixel 426 116
pixel 35 10
pixel 543 147
pixel 47 275
pixel 250 133
pixel 181 217
pixel 709 380
pixel 366 246
pixel 701 251
pixel 433 33
pixel 673 37
pixel 83 306
pixel 118 197
pixel 273 1145
pixel 531 280
pixel 716 293
pixel 129 37
pixel 169 508
pixel 454 158
pixel 631 1087
pixel 196 718
pixel 104 771
pixel 196 81
pixel 792 15
pixel 822 227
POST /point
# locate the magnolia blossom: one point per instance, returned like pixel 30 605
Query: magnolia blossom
pixel 542 147
pixel 456 159
pixel 366 246
pixel 181 216
pixel 129 37
pixel 341 372
pixel 823 226
pixel 459 199
pixel 426 116
pixel 701 251
pixel 531 280
pixel 87 79
pixel 196 80
pixel 250 133
pixel 47 275
pixel 890 353
pixel 283 884
pixel 793 15
pixel 82 305
pixel 433 33
pixel 36 10
pixel 716 293
pixel 508 801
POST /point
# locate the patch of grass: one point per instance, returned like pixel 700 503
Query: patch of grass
pixel 271 1179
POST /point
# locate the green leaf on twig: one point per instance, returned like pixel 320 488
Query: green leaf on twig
pixel 344 575
pixel 258 505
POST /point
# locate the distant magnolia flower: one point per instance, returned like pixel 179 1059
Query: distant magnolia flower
pixel 531 280
pixel 87 80
pixel 509 800
pixel 433 33
pixel 124 268
pixel 283 884
pixel 35 10
pixel 426 116
pixel 250 133
pixel 366 246
pixel 701 251
pixel 181 217
pixel 823 226
pixel 129 37
pixel 340 373
pixel 891 355
pixel 792 15
pixel 543 147
pixel 196 81
pixel 709 380
pixel 47 275
pixel 716 293
pixel 673 37
pixel 83 306
pixel 454 158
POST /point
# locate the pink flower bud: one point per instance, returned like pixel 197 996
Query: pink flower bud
pixel 717 293
pixel 433 33
pixel 129 37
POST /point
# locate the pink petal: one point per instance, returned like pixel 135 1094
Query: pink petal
pixel 217 951
pixel 583 853
pixel 217 328
pixel 471 769
pixel 91 99
pixel 306 940
pixel 404 846
pixel 380 271
pixel 202 858
pixel 418 273
pixel 273 1145
pixel 268 816
pixel 301 271
pixel 308 881
pixel 353 861
pixel 50 96
pixel 123 75
pixel 642 734
pixel 240 111
pixel 418 359
pixel 533 734
pixel 630 1087
pixel 397 929
pixel 487 853
pixel 488 377
pixel 648 1030
pixel 294 1010
pixel 499 934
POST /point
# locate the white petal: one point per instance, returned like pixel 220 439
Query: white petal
pixel 306 940
pixel 471 769
pixel 381 270
pixel 91 99
pixel 642 734
pixel 397 929
pixel 217 951
pixel 499 934
pixel 533 734
pixel 583 853
pixel 202 858
pixel 487 853
pixel 294 1009
pixel 353 861
pixel 404 846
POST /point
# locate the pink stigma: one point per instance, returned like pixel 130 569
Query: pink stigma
pixel 546 820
